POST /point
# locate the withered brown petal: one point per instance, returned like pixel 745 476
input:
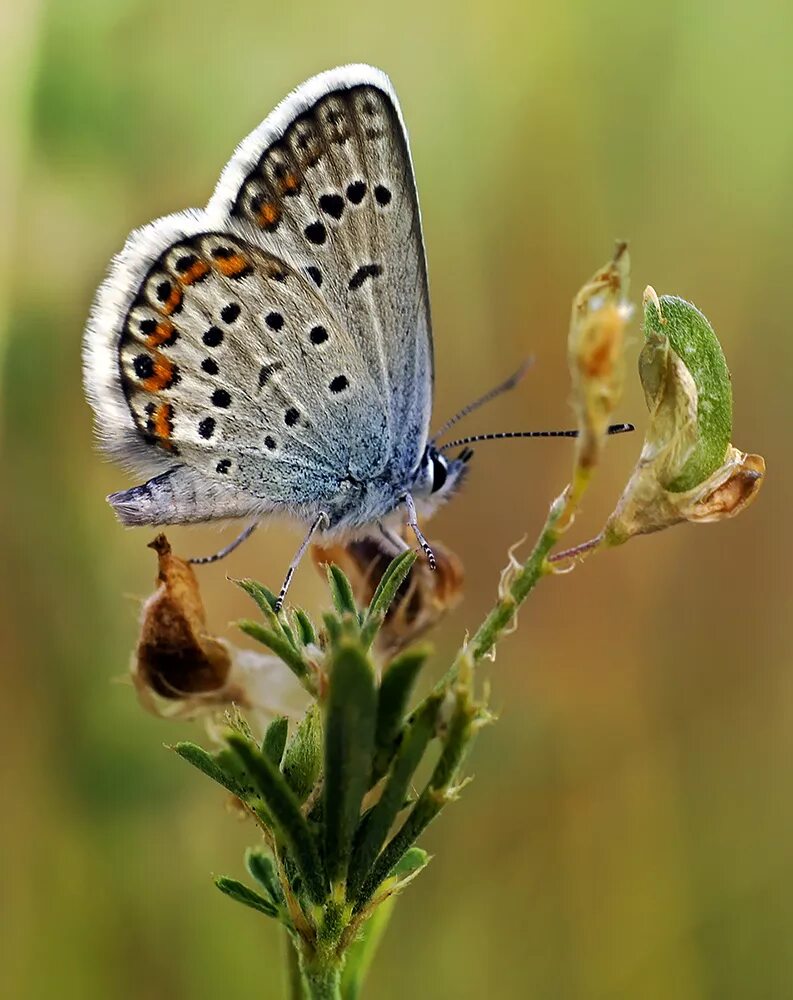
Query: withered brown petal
pixel 175 657
pixel 422 600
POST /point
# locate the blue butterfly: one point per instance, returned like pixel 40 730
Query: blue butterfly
pixel 272 353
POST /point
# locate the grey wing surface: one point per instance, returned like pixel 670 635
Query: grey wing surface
pixel 260 351
pixel 327 183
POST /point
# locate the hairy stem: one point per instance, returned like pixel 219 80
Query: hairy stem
pixel 294 980
pixel 321 978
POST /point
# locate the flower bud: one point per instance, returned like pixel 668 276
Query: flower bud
pixel 687 469
pixel 595 353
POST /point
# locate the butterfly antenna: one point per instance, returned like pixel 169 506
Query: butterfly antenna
pixel 500 435
pixel 502 387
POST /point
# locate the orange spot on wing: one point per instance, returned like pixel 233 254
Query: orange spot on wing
pixel 173 302
pixel 164 374
pixel 268 214
pixel 290 184
pixel 194 273
pixel 162 423
pixel 232 266
pixel 162 333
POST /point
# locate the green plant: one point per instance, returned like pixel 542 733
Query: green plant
pixel 333 798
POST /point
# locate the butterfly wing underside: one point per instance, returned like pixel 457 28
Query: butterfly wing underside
pixel 278 341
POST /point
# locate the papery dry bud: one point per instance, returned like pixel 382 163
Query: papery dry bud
pixel 595 353
pixel 180 670
pixel 422 600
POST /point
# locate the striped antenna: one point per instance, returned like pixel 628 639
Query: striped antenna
pixel 501 435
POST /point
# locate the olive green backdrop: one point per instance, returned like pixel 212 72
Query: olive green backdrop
pixel 628 834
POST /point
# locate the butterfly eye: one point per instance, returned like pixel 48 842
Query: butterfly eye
pixel 440 471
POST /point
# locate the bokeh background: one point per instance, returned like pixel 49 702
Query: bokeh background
pixel 628 833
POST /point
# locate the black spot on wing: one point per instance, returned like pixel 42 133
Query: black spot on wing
pixel 356 192
pixel 316 233
pixel 332 204
pixel 363 273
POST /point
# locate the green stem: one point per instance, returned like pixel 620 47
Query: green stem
pixel 322 978
pixel 294 981
pixel 520 587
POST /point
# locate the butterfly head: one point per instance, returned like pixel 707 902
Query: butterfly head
pixel 437 476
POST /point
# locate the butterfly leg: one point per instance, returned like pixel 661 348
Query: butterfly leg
pixel 241 537
pixel 322 516
pixel 397 543
pixel 413 523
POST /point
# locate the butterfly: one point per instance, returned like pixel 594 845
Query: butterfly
pixel 272 353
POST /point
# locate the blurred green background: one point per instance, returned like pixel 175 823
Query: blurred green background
pixel 629 830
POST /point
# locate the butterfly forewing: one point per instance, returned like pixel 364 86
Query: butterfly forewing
pixel 335 195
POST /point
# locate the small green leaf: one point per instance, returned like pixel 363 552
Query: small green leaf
pixel 396 688
pixel 332 626
pixel 411 861
pixel 275 739
pixel 351 710
pixel 280 645
pixel 209 764
pixel 303 758
pixel 362 950
pixel 390 582
pixel 287 817
pixel 374 828
pixel 242 894
pixel 262 867
pixel 692 338
pixel 264 597
pixel 435 795
pixel 341 591
pixel 305 629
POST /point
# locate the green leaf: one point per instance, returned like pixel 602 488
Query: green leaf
pixel 341 591
pixel 396 688
pixel 374 828
pixel 693 340
pixel 303 758
pixel 305 629
pixel 435 795
pixel 411 861
pixel 275 739
pixel 208 764
pixel 242 894
pixel 390 582
pixel 332 626
pixel 284 808
pixel 264 597
pixel 351 710
pixel 362 950
pixel 262 867
pixel 280 645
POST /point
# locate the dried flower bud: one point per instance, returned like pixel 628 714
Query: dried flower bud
pixel 595 353
pixel 687 470
pixel 422 600
pixel 180 670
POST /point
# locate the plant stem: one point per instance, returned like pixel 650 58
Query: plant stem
pixel 581 550
pixel 322 978
pixel 294 981
pixel 523 582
